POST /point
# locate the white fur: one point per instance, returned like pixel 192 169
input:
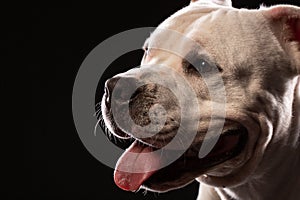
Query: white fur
pixel 261 77
pixel 273 170
pixel 215 2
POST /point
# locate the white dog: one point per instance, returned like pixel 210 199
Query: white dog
pixel 257 54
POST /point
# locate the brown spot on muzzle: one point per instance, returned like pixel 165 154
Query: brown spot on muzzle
pixel 142 99
pixel 150 96
pixel 149 103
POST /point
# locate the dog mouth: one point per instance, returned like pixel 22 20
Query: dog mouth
pixel 141 167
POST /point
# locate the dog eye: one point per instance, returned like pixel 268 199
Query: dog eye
pixel 201 66
pixel 204 66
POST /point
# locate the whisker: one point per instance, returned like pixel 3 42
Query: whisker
pixel 156 194
pixel 100 122
pixel 145 192
pixel 95 128
pixel 98 109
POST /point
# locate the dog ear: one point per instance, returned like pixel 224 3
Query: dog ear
pixel 218 2
pixel 285 23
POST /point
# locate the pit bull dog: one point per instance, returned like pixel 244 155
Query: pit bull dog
pixel 257 55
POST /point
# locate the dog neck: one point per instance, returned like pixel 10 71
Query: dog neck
pixel 277 176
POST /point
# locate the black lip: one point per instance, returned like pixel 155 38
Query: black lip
pixel 185 169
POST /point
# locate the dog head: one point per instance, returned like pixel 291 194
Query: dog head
pixel 207 66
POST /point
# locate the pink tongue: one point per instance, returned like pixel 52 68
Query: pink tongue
pixel 135 166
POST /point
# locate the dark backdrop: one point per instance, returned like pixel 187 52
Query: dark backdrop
pixel 51 42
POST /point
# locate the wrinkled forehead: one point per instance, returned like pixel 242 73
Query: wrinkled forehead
pixel 213 28
pixel 184 19
pixel 191 19
pixel 187 29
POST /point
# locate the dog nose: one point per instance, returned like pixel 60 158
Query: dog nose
pixel 119 91
pixel 110 85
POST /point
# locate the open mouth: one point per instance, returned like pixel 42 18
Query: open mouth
pixel 180 172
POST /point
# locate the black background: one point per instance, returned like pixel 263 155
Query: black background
pixel 46 46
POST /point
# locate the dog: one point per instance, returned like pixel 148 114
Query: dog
pixel 256 55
